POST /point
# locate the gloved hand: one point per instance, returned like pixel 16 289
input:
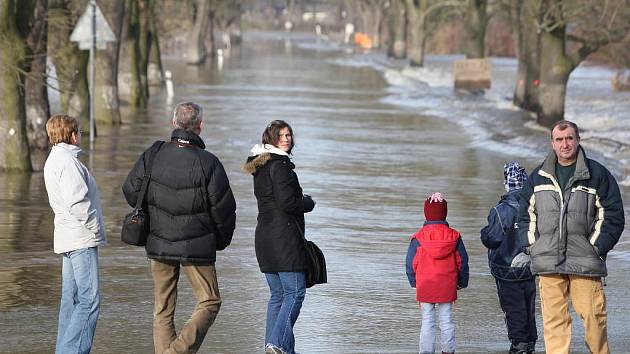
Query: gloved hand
pixel 309 203
pixel 521 260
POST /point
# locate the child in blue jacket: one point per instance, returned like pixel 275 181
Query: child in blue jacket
pixel 516 286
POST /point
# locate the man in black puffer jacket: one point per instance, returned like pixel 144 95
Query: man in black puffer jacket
pixel 192 215
pixel 516 286
pixel 571 215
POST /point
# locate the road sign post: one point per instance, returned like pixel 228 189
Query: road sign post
pixel 91 32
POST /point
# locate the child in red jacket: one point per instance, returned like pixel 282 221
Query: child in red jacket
pixel 437 266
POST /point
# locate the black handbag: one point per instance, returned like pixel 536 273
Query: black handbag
pixel 135 228
pixel 315 262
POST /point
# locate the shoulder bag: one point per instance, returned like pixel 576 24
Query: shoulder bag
pixel 135 228
pixel 315 261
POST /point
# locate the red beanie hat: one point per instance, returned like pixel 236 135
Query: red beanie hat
pixel 435 207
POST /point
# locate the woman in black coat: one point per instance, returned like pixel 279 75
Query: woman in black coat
pixel 280 232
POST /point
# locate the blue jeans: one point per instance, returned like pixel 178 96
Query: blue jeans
pixel 287 294
pixel 447 327
pixel 80 301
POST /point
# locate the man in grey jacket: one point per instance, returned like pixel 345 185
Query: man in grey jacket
pixel 570 216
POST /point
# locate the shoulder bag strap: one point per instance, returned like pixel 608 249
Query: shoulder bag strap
pixel 152 152
pixel 297 223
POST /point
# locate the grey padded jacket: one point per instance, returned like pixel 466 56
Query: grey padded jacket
pixel 570 231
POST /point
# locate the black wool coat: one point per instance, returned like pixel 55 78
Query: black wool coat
pixel 281 206
pixel 191 207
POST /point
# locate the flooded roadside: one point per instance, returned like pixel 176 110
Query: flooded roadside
pixel 367 163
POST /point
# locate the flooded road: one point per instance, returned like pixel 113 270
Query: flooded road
pixel 369 165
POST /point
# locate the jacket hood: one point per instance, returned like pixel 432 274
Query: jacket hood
pixel 261 154
pixel 186 137
pixel 438 240
pixel 259 149
pixel 512 197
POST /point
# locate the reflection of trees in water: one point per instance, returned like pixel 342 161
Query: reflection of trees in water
pixel 25 226
pixel 31 285
pixel 26 221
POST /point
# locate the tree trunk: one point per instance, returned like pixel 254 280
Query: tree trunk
pixel 555 69
pixel 397 29
pixel 209 41
pixel 36 89
pixel 416 30
pixel 475 23
pixel 106 101
pixel 137 45
pixel 155 72
pixel 196 53
pixel 526 92
pixel 71 64
pixel 14 150
pixel 375 26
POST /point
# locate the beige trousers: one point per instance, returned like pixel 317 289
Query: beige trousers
pixel 203 279
pixel 589 302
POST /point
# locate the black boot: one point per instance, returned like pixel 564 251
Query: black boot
pixel 531 347
pixel 518 348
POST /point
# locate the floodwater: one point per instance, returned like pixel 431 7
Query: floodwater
pixel 368 164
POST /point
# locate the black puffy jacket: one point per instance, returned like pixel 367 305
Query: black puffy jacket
pixel 189 201
pixel 281 206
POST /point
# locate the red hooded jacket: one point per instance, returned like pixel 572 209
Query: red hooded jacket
pixel 437 264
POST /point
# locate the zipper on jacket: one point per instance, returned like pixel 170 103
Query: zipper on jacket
pixel 560 192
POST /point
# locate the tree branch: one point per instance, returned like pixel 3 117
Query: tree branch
pixel 446 3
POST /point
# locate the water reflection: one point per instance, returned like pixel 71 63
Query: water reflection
pixel 25 219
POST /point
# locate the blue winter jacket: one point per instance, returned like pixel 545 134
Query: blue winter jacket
pixel 501 238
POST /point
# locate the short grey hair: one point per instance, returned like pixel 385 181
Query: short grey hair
pixel 564 124
pixel 187 116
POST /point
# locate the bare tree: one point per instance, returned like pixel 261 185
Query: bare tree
pixel 397 30
pixel 570 32
pixel 475 24
pixel 137 41
pixel 14 149
pixel 106 99
pixel 70 62
pixel 525 16
pixel 197 51
pixel 227 19
pixel 419 12
pixel 370 14
pixel 36 89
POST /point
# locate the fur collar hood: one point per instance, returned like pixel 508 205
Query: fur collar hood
pixel 260 155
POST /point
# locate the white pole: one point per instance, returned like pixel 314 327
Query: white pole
pixel 92 53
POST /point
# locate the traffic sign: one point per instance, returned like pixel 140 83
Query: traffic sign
pixel 82 32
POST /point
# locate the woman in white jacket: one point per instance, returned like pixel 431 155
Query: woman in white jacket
pixel 79 230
